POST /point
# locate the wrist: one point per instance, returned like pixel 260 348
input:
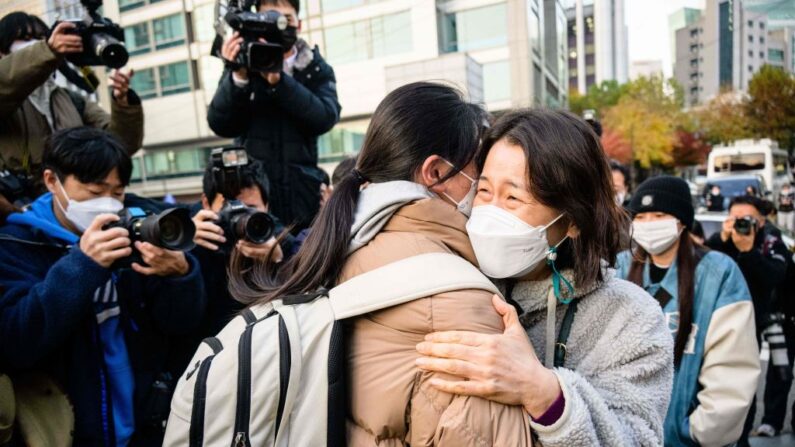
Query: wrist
pixel 543 394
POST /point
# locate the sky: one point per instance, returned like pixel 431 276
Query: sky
pixel 647 23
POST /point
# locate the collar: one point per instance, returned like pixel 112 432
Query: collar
pixel 532 295
pixel 670 282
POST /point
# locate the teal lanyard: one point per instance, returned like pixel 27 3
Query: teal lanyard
pixel 563 335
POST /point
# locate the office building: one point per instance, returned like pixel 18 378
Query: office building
pixel 597 41
pixel 680 19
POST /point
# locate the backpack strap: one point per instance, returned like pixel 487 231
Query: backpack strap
pixel 404 281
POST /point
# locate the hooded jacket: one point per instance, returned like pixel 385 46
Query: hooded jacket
pixel 23 129
pixel 106 359
pixel 706 408
pixel 391 402
pixel 280 126
pixel 616 376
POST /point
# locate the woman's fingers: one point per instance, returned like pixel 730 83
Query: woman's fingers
pixel 462 387
pixel 459 368
pixel 448 351
pixel 459 337
pixel 509 316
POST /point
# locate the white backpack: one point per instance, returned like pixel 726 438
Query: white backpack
pixel 274 376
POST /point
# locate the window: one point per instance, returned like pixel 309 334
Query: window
pixel 162 81
pixel 137 39
pixel 367 39
pixel 762 40
pixel 780 164
pixel 144 83
pixel 174 78
pixel 693 32
pixel 169 31
pixel 750 38
pixel 334 5
pixel 126 5
pixel 496 81
pixel 762 25
pixel 750 69
pixel 750 24
pixel 338 143
pixel 750 53
pixel 761 55
pixel 738 163
pixel 774 55
pixel 693 48
pixel 473 29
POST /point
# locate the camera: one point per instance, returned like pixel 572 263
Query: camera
pixel 236 219
pixel 745 225
pixel 256 56
pixel 241 222
pixel 171 229
pixel 103 40
pixel 16 187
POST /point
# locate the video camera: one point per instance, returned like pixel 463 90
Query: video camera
pixel 103 40
pixel 745 225
pixel 171 229
pixel 236 219
pixel 273 27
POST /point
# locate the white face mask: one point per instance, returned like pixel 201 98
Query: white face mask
pixel 656 236
pixel 506 246
pixel 81 214
pixel 465 205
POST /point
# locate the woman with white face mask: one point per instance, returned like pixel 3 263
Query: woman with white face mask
pixel 709 313
pixel 597 367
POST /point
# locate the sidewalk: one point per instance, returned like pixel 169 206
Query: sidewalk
pixel 787 440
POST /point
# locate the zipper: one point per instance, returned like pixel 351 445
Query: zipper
pixel 104 398
pixel 200 394
pixel 243 410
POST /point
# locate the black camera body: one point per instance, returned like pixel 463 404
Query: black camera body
pixel 103 40
pixel 16 187
pixel 171 229
pixel 745 225
pixel 242 222
pixel 254 55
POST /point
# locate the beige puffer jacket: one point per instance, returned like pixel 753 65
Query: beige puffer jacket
pixel 391 402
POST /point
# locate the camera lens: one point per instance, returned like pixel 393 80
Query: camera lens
pixel 109 50
pixel 172 229
pixel 255 227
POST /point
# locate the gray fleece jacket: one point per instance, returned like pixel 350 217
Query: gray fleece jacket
pixel 618 371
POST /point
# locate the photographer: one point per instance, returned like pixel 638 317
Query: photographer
pixel 279 116
pixel 66 311
pixel 32 106
pixel 761 256
pixel 214 247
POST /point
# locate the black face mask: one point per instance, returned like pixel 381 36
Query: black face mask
pixel 289 38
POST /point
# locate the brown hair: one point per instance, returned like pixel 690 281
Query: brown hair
pixel 686 272
pixel 567 170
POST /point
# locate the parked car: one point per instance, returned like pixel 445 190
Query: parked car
pixel 713 222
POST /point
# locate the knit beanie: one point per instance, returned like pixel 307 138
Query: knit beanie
pixel 665 194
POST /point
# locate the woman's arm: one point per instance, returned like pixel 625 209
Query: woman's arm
pixel 624 404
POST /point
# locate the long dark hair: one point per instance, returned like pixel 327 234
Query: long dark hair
pixel 567 170
pixel 412 123
pixel 686 280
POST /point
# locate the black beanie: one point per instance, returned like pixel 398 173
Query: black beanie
pixel 665 194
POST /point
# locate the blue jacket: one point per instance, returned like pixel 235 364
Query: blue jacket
pixel 49 322
pixel 718 374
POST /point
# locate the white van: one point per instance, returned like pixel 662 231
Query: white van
pixel 749 157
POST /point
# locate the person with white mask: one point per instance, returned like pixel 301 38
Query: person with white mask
pixel 586 355
pixel 100 332
pixel 709 312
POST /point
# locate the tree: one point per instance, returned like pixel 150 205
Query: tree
pixel 690 149
pixel 771 105
pixel 616 146
pixel 723 119
pixel 598 97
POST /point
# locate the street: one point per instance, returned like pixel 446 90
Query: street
pixel 788 439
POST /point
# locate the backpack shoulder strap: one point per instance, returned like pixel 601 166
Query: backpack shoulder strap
pixel 406 280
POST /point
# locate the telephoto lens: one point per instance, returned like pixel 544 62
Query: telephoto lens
pixel 172 229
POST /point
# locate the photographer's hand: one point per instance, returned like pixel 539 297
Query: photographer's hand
pixel 161 262
pixel 105 246
pixel 230 50
pixel 119 81
pixel 727 229
pixel 261 252
pixel 743 242
pixel 62 43
pixel 208 234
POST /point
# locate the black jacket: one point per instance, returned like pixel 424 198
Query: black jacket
pixel 280 125
pixel 764 268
